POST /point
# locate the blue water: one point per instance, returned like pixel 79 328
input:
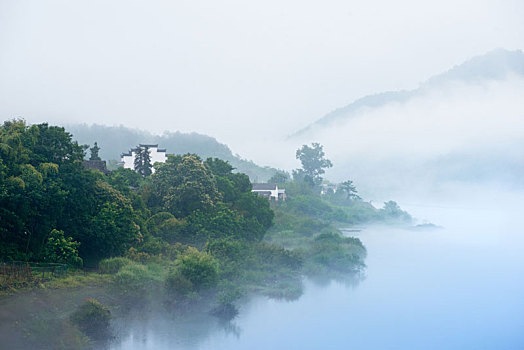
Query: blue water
pixel 460 287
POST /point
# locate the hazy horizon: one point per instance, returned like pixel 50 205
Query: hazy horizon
pixel 418 105
pixel 246 74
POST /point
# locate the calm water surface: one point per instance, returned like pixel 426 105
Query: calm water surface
pixel 460 287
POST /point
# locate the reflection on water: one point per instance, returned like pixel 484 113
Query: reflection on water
pixel 459 287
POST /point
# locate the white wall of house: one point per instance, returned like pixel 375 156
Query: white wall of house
pixel 274 193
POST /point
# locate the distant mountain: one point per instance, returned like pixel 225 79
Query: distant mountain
pixel 114 141
pixel 494 65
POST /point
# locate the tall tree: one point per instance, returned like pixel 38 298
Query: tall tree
pixel 348 188
pixel 142 161
pixel 280 177
pixel 138 159
pixel 313 162
pixel 146 162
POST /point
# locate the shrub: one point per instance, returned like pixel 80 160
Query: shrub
pixel 178 285
pixel 337 253
pixel 137 280
pixel 225 249
pixel 200 268
pixel 60 249
pixel 113 265
pixel 92 318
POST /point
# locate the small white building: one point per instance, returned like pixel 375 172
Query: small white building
pixel 270 191
pixel 156 154
pixel 326 188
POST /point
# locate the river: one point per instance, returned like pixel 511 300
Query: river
pixel 457 287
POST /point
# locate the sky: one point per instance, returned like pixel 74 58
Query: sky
pixel 247 73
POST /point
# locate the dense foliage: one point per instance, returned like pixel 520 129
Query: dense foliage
pixel 92 318
pixel 43 187
pixel 44 190
pixel 190 228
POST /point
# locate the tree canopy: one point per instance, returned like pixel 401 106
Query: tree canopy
pixel 313 163
pixel 142 162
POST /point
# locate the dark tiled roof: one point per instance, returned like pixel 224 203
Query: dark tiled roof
pixel 130 153
pixel 264 187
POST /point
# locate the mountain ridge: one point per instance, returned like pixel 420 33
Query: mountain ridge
pixel 494 65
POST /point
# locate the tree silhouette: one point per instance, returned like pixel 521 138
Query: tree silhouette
pixel 349 189
pixel 142 161
pixel 313 162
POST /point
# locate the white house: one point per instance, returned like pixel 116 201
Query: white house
pixel 156 154
pixel 326 188
pixel 270 191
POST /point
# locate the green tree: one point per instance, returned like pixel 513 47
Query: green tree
pixel 44 187
pixel 200 268
pixel 280 177
pixel 393 211
pixel 33 161
pixel 60 249
pixel 258 216
pixel 313 162
pixel 182 185
pixel 349 189
pixel 219 167
pixel 142 162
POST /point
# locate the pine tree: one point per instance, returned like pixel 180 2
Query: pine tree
pixel 146 162
pixel 143 161
pixel 139 159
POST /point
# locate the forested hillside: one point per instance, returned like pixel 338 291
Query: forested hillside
pixel 116 140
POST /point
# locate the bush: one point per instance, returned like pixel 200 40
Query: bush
pixel 60 249
pixel 200 268
pixel 137 280
pixel 113 265
pixel 309 205
pixel 92 318
pixel 179 286
pixel 336 253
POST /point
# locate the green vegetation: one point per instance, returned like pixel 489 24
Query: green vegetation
pixel 113 265
pixel 190 232
pixel 92 318
pixel 59 249
pixel 143 161
pixel 313 163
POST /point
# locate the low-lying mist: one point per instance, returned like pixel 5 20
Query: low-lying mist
pixel 456 133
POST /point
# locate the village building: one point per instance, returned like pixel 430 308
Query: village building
pixel 156 154
pixel 270 191
pixel 327 188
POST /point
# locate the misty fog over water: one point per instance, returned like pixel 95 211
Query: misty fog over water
pixel 421 103
pixel 457 287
